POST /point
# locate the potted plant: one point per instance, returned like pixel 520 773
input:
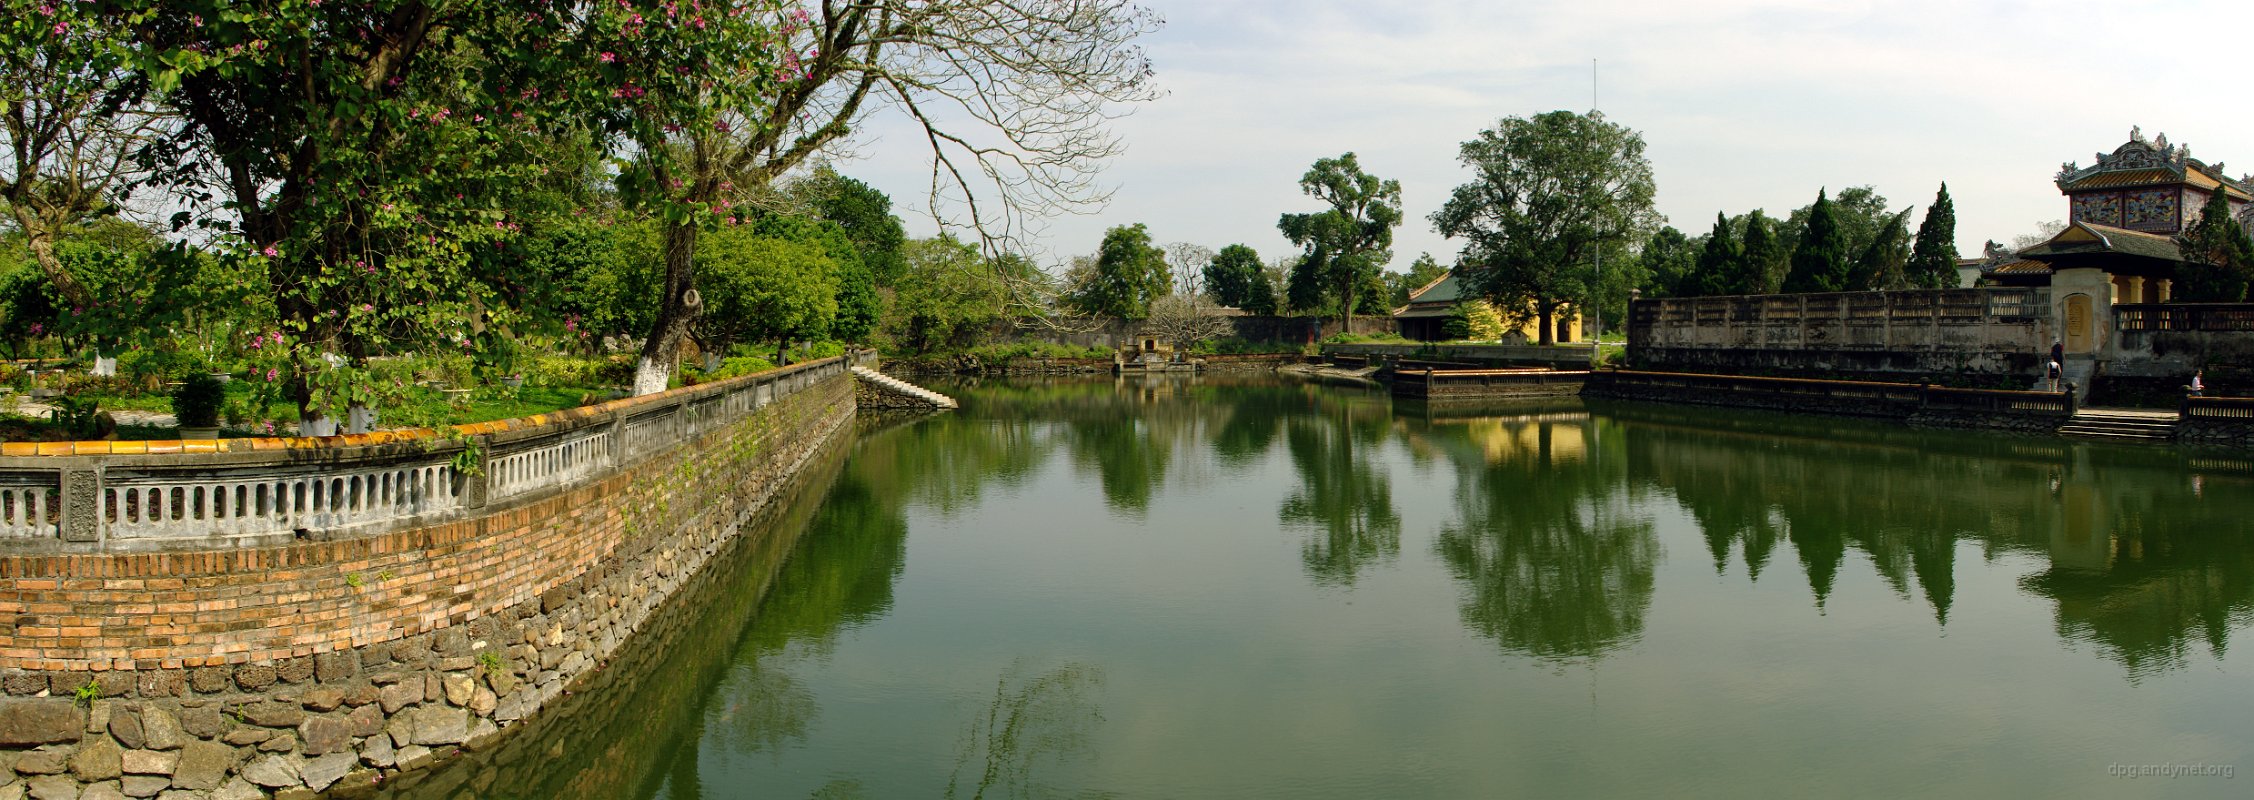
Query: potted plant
pixel 196 404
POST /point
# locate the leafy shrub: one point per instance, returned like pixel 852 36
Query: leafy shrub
pixel 1387 337
pixel 1013 351
pixel 81 419
pixel 198 401
pixel 578 372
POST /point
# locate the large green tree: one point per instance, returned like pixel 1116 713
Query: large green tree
pixel 1549 195
pixel 1234 278
pixel 1821 262
pixel 1860 212
pixel 764 289
pixel 1128 273
pixel 1672 261
pixel 1344 247
pixel 943 299
pixel 2218 256
pixel 1933 258
pixel 863 212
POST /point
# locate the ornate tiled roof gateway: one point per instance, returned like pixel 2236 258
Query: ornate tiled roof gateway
pixel 2147 163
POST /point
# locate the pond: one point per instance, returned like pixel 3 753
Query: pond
pixel 1209 586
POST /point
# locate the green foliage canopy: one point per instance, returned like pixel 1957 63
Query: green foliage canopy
pixel 1129 273
pixel 2218 256
pixel 1234 278
pixel 1933 259
pixel 1345 246
pixel 1821 261
pixel 1549 194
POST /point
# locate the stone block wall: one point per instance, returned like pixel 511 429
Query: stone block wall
pixel 1919 335
pixel 346 662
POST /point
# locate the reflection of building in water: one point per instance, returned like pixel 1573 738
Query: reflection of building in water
pixel 1512 440
pixel 1152 388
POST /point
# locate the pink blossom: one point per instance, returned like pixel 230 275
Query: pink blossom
pixel 720 125
pixel 607 57
pixel 271 252
pixel 273 374
pixel 37 328
pixel 367 307
pixel 62 28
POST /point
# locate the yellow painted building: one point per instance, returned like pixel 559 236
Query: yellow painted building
pixel 1425 318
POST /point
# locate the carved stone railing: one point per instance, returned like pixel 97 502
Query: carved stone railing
pixel 2225 409
pixel 2183 317
pixel 111 496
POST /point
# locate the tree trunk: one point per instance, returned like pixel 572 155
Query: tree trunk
pixel 42 243
pixel 1545 315
pixel 675 311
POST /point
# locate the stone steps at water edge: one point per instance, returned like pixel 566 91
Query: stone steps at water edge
pixel 900 387
pixel 2121 425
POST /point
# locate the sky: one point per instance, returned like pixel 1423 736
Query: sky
pixel 1742 104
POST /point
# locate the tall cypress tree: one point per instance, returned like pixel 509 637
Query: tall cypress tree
pixel 1933 260
pixel 1880 266
pixel 1821 263
pixel 1719 264
pixel 2218 256
pixel 1761 270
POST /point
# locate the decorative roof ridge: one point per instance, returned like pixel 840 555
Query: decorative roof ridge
pixel 2137 153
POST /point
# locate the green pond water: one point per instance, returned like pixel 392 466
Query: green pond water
pixel 1231 587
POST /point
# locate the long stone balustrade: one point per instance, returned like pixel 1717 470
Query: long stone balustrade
pixel 102 496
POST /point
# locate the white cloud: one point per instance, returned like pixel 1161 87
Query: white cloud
pixel 1743 103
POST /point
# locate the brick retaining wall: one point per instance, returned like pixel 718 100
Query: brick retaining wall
pixel 295 668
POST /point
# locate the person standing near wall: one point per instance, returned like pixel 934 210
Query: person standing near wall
pixel 2058 362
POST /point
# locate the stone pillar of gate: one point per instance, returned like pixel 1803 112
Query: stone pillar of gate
pixel 2081 310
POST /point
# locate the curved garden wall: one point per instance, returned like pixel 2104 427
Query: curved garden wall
pixel 283 616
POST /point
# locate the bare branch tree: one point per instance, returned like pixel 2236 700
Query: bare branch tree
pixel 69 153
pixel 1013 98
pixel 1188 262
pixel 1186 319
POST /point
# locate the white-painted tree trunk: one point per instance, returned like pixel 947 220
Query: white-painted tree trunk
pixel 359 418
pixel 651 376
pixel 105 366
pixel 323 425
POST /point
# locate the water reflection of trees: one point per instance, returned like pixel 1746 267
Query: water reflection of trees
pixel 1553 561
pixel 1343 499
pixel 2142 562
pixel 1133 433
